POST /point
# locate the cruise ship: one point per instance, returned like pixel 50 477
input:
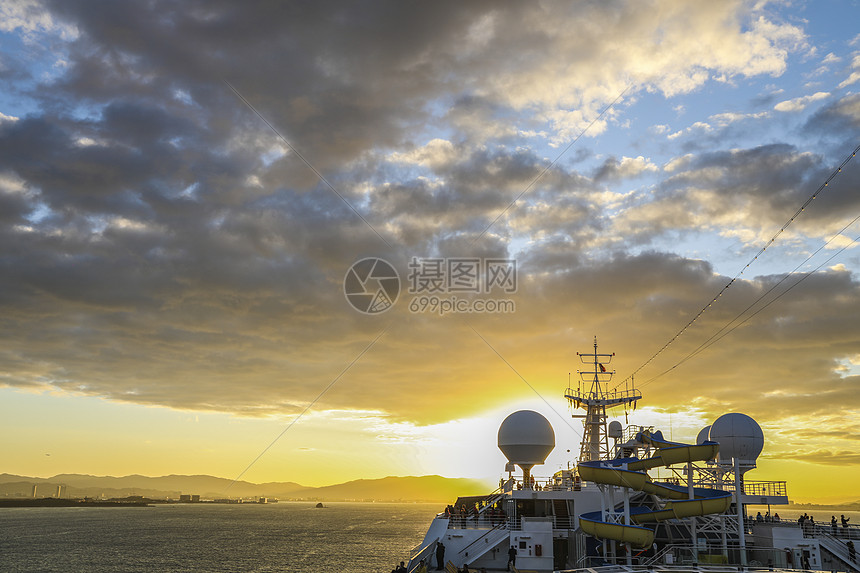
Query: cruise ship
pixel 607 513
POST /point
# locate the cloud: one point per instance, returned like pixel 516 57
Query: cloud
pixel 699 126
pixel 800 103
pixel 727 118
pixel 436 154
pixel 826 457
pixel 854 77
pixel 366 91
pixel 747 192
pixel 840 117
pixel 628 167
pixel 30 16
pixel 160 245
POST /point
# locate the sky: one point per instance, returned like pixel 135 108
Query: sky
pixel 186 186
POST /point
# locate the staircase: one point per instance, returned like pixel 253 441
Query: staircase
pixel 562 515
pixel 838 549
pixel 485 543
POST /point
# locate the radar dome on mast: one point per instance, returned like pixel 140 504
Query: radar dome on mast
pixel 739 437
pixel 526 438
pixel 702 436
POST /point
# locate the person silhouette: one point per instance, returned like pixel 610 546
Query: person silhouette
pixel 440 556
pixel 512 557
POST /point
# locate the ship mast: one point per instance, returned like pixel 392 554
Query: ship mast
pixel 595 401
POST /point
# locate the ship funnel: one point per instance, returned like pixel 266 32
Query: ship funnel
pixel 526 438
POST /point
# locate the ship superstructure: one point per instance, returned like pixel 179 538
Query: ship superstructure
pixel 596 401
pixel 610 510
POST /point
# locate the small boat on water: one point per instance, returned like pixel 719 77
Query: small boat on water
pixel 609 512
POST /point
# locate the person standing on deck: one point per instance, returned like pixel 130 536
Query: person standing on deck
pixel 512 557
pixel 440 556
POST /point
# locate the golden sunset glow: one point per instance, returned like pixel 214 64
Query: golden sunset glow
pixel 183 195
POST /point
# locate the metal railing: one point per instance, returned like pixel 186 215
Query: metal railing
pixel 847 533
pixel 630 432
pixel 583 395
pixel 675 569
pixel 676 550
pixel 476 521
pixel 571 483
pixel 509 524
pixel 419 554
pixel 759 488
pixel 686 554
pixel 498 528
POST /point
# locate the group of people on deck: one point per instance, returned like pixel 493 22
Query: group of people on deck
pixel 766 518
pixel 807 523
pixel 843 519
pixel 478 514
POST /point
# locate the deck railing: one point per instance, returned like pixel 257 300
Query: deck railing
pixel 759 488
pixel 850 532
pixel 558 522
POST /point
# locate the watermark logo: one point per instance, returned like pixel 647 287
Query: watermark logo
pixel 371 285
pixel 462 275
pixel 437 285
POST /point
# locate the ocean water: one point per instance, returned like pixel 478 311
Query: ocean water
pixel 292 537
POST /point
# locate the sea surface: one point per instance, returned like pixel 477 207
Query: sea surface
pixel 287 536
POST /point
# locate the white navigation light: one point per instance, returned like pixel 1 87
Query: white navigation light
pixel 739 437
pixel 526 438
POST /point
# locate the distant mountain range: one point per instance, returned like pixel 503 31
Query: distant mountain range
pixel 848 505
pixel 410 488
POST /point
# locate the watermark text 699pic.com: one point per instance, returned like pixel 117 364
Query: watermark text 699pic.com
pixel 447 305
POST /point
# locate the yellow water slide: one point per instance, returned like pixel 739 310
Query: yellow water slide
pixel 629 473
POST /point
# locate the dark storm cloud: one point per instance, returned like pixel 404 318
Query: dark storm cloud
pixel 754 190
pixel 838 118
pixel 337 79
pixel 163 246
pixel 94 178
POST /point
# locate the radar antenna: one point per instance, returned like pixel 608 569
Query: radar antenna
pixel 595 437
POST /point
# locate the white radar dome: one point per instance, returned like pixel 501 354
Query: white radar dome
pixel 702 437
pixel 739 437
pixel 526 438
pixel 615 429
